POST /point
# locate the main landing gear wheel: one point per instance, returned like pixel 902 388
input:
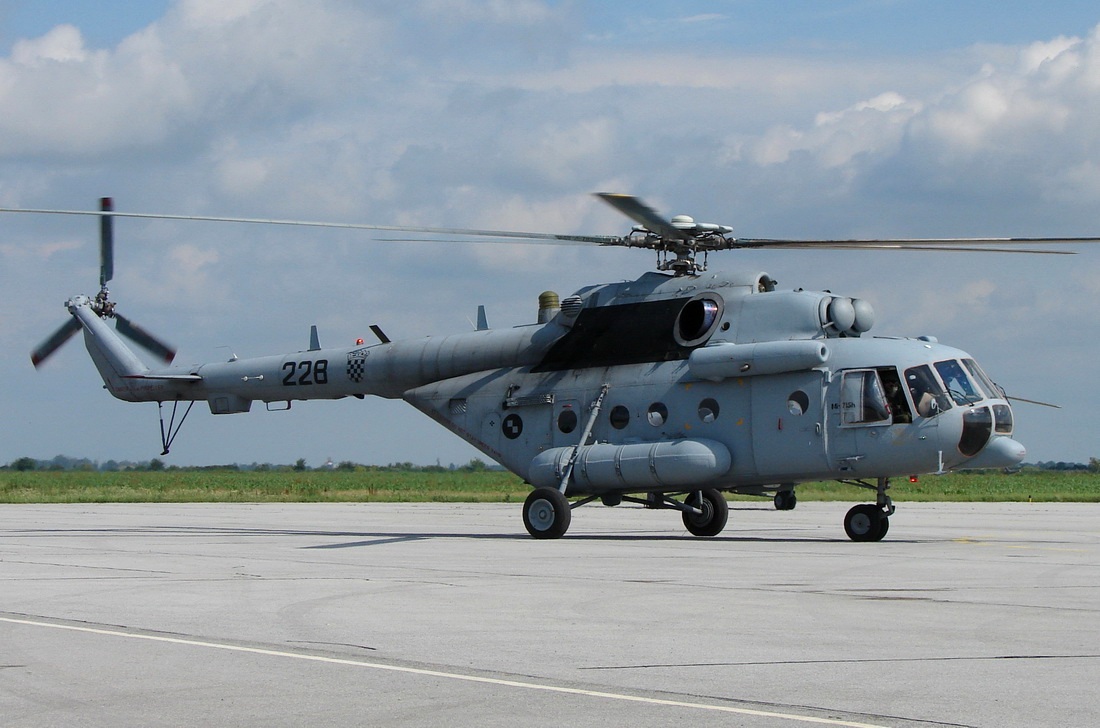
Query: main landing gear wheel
pixel 546 513
pixel 715 513
pixel 866 522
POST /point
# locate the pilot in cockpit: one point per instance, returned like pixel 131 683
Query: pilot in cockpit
pixel 924 390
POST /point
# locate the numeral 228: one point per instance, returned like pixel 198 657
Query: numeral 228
pixel 305 372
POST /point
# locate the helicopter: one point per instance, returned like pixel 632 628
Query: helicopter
pixel 667 391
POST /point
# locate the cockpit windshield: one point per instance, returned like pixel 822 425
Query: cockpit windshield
pixel 962 390
pixel 988 385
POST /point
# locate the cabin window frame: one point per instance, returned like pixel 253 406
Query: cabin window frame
pixel 862 401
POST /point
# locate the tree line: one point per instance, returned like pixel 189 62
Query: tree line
pixel 62 463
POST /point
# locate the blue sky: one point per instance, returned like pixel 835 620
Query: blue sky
pixel 801 26
pixel 102 24
pixel 856 27
pixel 779 118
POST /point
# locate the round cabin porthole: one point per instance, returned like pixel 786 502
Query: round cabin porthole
pixel 708 410
pixel 657 414
pixel 798 402
pixel 620 417
pixel 567 421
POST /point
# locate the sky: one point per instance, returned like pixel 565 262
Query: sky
pixel 783 119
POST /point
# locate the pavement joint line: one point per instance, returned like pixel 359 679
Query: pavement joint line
pixel 443 675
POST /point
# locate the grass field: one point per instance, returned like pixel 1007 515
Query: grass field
pixel 363 485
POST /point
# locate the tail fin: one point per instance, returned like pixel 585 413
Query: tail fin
pixel 118 365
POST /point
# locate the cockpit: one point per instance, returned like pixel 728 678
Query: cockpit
pixel 964 384
pixel 924 392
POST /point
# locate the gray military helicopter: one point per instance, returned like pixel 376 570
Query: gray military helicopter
pixel 665 391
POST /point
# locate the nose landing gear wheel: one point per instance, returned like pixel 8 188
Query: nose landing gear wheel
pixel 785 500
pixel 546 513
pixel 866 522
pixel 715 513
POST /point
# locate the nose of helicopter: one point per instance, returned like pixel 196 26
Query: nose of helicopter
pixel 999 452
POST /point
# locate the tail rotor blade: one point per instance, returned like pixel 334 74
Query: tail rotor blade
pixel 106 242
pixel 143 338
pixel 52 344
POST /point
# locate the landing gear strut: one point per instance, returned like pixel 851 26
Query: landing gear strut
pixel 870 521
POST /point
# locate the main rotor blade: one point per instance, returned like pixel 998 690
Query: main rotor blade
pixel 106 243
pixel 945 244
pixel 490 239
pixel 643 214
pixel 639 212
pixel 960 245
pixel 52 344
pixel 598 239
pixel 143 338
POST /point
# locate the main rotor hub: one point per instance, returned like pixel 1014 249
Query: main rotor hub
pixel 678 254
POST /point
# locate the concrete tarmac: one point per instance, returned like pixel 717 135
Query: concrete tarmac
pixel 439 614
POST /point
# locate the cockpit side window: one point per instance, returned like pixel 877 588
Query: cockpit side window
pixel 959 386
pixel 895 395
pixel 928 395
pixel 862 400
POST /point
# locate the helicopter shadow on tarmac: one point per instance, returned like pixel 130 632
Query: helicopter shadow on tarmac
pixel 381 539
pixel 366 537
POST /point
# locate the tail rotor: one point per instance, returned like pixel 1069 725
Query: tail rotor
pixel 101 304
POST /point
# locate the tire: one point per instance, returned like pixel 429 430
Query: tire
pixel 546 513
pixel 866 522
pixel 785 500
pixel 715 513
pixel 883 527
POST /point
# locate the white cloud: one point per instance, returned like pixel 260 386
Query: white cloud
pixel 214 15
pixel 16 252
pixel 494 12
pixel 63 44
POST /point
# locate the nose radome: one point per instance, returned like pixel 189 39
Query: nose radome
pixel 1000 452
